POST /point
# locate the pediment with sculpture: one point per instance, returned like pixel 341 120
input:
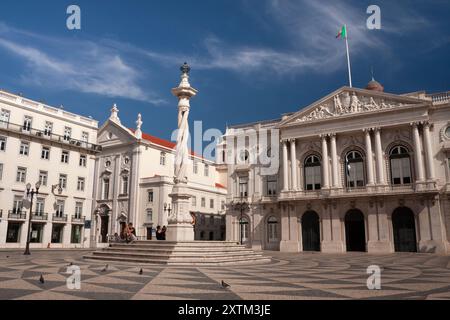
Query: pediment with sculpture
pixel 349 102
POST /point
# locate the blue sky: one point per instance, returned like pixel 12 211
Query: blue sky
pixel 251 59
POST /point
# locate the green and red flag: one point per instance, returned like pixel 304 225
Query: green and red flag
pixel 342 33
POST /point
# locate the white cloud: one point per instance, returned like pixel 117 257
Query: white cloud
pixel 76 65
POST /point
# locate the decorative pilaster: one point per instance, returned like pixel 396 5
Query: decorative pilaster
pixel 369 154
pixel 325 164
pixel 294 186
pixel 428 151
pixel 418 153
pixel 380 157
pixel 334 161
pixel 285 166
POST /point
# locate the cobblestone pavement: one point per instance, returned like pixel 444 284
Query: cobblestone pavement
pixel 289 276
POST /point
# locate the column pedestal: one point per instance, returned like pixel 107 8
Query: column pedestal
pixel 180 226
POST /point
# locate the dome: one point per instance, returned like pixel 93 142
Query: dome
pixel 375 86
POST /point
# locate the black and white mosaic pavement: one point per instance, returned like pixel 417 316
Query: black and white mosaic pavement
pixel 289 276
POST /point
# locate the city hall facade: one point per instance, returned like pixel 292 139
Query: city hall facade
pixel 360 170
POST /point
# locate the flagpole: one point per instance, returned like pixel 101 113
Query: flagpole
pixel 348 57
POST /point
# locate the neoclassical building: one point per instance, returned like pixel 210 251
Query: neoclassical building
pixel 134 178
pixel 360 170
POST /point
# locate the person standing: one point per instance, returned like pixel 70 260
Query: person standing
pixel 158 233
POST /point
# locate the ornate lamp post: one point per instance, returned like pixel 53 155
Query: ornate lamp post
pixel 241 206
pixel 30 193
pixel 167 209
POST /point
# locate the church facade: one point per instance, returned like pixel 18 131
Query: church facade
pixel 360 170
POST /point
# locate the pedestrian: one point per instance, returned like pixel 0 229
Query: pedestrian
pixel 163 233
pixel 158 233
pixel 132 233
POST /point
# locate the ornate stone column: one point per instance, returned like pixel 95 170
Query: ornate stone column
pixel 369 154
pixel 285 166
pixel 428 151
pixel 380 158
pixel 293 165
pixel 180 226
pixel 325 164
pixel 334 161
pixel 418 153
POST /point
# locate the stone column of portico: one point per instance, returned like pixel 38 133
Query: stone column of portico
pixel 334 161
pixel 380 158
pixel 420 178
pixel 325 168
pixel 370 179
pixel 294 186
pixel 285 167
pixel 428 152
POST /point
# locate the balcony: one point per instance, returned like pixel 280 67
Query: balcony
pixel 46 135
pixel 62 218
pixel 78 219
pixel 39 216
pixel 17 215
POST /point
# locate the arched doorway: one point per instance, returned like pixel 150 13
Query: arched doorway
pixel 311 231
pixel 404 227
pixel 355 231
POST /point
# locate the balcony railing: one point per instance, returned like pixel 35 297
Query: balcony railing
pixel 59 217
pixel 49 136
pixel 17 215
pixel 39 216
pixel 442 97
pixel 78 219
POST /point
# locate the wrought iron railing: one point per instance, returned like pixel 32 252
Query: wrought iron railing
pixel 78 219
pixel 17 215
pixel 39 216
pixel 59 217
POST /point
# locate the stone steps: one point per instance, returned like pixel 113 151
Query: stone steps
pixel 179 253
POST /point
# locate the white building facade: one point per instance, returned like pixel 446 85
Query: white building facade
pixel 134 178
pixel 360 170
pixel 52 147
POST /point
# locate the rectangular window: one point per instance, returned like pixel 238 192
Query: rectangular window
pixel 2 143
pixel 40 203
pixel 63 181
pixel 37 230
pixel 17 204
pixel 43 178
pixel 24 148
pixel 1 171
pixel 48 129
pixel 206 170
pixel 27 123
pixel 243 186
pixel 4 118
pixel 21 175
pixel 65 157
pixel 125 185
pixel 13 233
pixel 150 196
pixel 271 186
pixel 75 237
pixel 67 133
pixel 57 233
pixel 78 210
pixel 211 203
pixel 194 201
pixel 195 167
pixel 203 202
pixel 80 184
pixel 85 136
pixel 83 160
pixel 105 189
pixel 162 159
pixel 222 205
pixel 45 154
pixel 313 178
pixel 149 215
pixel 59 212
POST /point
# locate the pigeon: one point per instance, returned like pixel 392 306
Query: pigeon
pixel 41 279
pixel 105 268
pixel 7 257
pixel 225 285
pixel 70 264
pixel 141 271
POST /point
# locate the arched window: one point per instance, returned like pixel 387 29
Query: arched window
pixel 272 229
pixel 400 165
pixel 313 176
pixel 354 165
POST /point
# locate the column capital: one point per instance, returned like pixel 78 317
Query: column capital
pixel 367 130
pixel 415 124
pixel 323 136
pixel 332 135
pixel 377 129
pixel 292 140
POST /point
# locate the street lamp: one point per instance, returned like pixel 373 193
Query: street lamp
pixel 30 193
pixel 241 206
pixel 167 209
